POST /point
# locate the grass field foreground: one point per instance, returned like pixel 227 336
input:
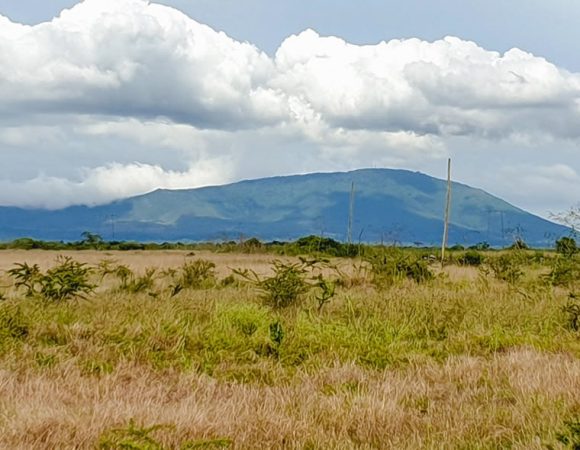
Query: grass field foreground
pixel 483 356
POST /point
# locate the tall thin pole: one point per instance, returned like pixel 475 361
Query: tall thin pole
pixel 113 227
pixel 350 214
pixel 447 208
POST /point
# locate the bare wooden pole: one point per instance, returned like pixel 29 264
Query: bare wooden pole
pixel 350 214
pixel 447 208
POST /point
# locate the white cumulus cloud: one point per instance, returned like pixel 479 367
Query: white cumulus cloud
pixel 108 183
pixel 118 97
pixel 447 87
pixel 133 58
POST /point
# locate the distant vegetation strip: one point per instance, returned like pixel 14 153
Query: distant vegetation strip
pixel 305 245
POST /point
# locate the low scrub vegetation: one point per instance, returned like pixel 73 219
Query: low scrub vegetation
pixel 389 349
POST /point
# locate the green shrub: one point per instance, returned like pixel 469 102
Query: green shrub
pixel 289 283
pixel 506 267
pixel 138 283
pixel 388 268
pixel 68 279
pixel 197 273
pixel 471 258
pixel 252 245
pixel 327 291
pixel 286 285
pixel 572 309
pixel 276 336
pixel 480 246
pixel 565 271
pixel 27 277
pixel 566 246
pixel 321 245
pixel 519 244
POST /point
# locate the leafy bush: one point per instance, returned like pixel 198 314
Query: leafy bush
pixel 252 245
pixel 289 282
pixel 139 283
pixel 276 336
pixel 519 244
pixel 26 276
pixel 572 309
pixel 480 246
pixel 91 240
pixel 566 246
pixel 193 275
pixel 283 288
pixel 387 268
pixel 471 258
pixel 327 290
pixel 565 271
pixel 506 267
pixel 68 279
pixel 321 245
pixel 129 281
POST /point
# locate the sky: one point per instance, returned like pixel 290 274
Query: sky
pixel 105 99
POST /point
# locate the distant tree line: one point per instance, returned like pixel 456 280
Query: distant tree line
pixel 305 245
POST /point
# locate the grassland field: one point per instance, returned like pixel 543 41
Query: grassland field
pixel 469 357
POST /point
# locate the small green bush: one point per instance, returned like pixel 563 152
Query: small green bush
pixel 68 279
pixel 252 245
pixel 565 271
pixel 572 309
pixel 471 258
pixel 286 286
pixel 519 244
pixel 289 283
pixel 196 274
pixel 388 268
pixel 480 246
pixel 129 281
pixel 28 277
pixel 566 246
pixel 506 267
pixel 139 283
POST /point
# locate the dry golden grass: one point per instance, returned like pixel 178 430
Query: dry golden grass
pixel 464 403
pixel 138 260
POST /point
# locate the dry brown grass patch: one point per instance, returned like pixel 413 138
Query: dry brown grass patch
pixel 464 403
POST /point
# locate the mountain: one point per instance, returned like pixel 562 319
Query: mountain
pixel 389 205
